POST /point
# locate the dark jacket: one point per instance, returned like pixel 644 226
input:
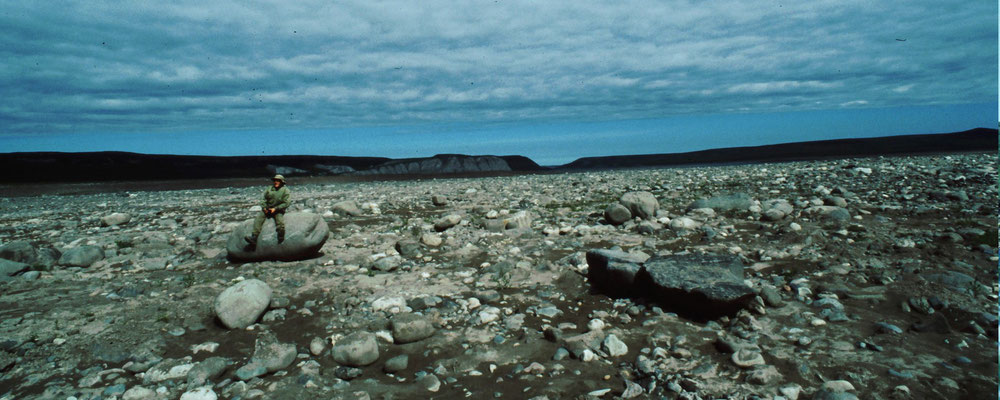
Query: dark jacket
pixel 278 199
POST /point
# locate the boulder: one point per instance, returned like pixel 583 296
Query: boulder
pixel 617 214
pixel 777 209
pixel 431 239
pixel 725 203
pixel 305 234
pixel 520 219
pixel 83 256
pixel 10 268
pixel 241 304
pixel 409 327
pixel 439 200
pixel 115 219
pixel 446 222
pixel 640 204
pixel 272 354
pixel 356 350
pixel 697 285
pixel 613 271
pixel 347 207
pixel 828 213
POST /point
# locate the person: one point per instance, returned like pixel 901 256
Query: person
pixel 277 198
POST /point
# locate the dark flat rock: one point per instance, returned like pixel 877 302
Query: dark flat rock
pixel 698 286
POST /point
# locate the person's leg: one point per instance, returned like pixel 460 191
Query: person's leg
pixel 258 223
pixel 279 226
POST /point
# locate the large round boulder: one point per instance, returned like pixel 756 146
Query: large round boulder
pixel 305 234
pixel 640 204
pixel 241 304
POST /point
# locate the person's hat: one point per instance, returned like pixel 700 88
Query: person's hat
pixel 278 178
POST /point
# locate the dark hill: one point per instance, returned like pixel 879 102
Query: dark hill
pixel 122 166
pixel 975 140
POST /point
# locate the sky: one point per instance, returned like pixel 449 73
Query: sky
pixel 553 81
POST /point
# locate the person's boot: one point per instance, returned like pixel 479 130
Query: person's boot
pixel 281 237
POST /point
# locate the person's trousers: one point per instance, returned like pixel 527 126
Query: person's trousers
pixel 279 223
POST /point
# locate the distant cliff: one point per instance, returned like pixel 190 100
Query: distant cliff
pixel 975 140
pixel 451 164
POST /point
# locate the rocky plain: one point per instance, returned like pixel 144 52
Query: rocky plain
pixel 867 278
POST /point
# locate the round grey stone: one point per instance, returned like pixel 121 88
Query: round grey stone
pixel 240 305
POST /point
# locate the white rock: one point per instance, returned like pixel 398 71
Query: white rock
pixel 391 304
pixel 202 393
pixel 595 325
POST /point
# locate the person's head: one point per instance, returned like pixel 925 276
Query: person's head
pixel 278 180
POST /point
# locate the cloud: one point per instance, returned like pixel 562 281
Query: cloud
pixel 175 66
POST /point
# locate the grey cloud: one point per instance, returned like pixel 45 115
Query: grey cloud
pixel 277 65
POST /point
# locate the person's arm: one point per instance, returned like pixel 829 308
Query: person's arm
pixel 263 203
pixel 284 200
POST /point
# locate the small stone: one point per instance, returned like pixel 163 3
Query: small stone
pixel 430 382
pixel 347 373
pixel 396 364
pixel 614 346
pixel 202 393
pixel 745 358
pixel 317 345
pixel 595 325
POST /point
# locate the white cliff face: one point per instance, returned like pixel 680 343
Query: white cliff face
pixel 861 278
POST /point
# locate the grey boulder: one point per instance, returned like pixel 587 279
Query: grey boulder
pixel 241 304
pixel 115 219
pixel 347 207
pixel 305 234
pixel 640 204
pixel 356 350
pixel 83 256
pixel 409 327
pixel 828 213
pixel 617 214
pixel 699 286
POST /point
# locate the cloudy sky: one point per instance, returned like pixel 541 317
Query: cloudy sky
pixel 551 80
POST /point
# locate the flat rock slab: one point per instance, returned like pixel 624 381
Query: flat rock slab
pixel 613 271
pixel 699 286
pixel 695 285
pixel 305 234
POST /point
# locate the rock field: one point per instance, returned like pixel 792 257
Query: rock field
pixel 866 278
